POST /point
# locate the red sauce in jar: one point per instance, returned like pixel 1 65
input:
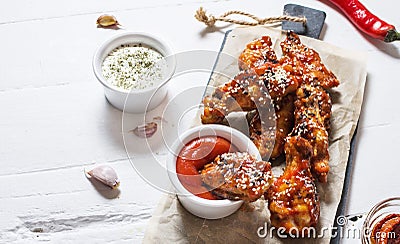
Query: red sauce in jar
pixel 192 158
pixel 387 230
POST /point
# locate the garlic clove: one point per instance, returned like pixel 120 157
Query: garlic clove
pixel 104 174
pixel 106 20
pixel 145 131
pixel 160 119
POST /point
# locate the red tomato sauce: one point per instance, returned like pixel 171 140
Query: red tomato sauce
pixel 192 158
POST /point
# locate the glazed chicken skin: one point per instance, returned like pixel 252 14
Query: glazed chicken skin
pixel 247 92
pixel 257 53
pixel 244 93
pixel 305 63
pixel 278 81
pixel 312 116
pixel 284 109
pixel 263 139
pixel 237 176
pixel 292 198
pixel 284 121
pixel 281 86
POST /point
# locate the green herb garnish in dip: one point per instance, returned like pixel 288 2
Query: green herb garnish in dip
pixel 133 66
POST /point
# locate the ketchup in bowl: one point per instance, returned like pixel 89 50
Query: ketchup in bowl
pixel 192 158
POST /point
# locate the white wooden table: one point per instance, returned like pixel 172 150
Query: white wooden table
pixel 55 120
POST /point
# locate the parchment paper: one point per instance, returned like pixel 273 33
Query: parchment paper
pixel 172 223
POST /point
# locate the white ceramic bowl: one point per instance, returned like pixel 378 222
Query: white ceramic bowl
pixel 209 209
pixel 134 101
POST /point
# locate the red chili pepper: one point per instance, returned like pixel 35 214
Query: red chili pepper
pixel 366 21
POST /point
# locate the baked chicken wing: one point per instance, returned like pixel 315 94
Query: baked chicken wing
pixel 264 139
pixel 281 86
pixel 305 63
pixel 312 115
pixel 257 53
pixel 278 81
pixel 292 198
pixel 244 93
pixel 284 120
pixel 237 176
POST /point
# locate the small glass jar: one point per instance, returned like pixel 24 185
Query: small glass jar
pixel 376 214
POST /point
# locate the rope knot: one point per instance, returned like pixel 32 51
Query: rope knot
pixel 210 20
pixel 202 17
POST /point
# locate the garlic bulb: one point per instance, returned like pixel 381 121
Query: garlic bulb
pixel 104 174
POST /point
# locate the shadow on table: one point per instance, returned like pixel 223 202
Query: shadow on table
pixel 104 190
pixel 212 29
pixel 387 48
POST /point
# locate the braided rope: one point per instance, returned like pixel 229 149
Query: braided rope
pixel 210 20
